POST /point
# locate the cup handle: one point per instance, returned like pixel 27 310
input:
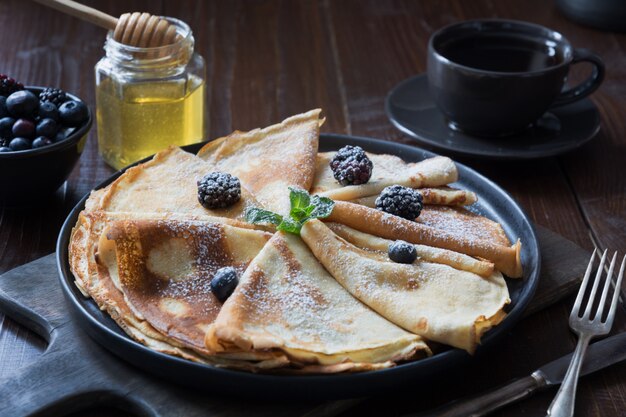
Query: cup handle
pixel 589 85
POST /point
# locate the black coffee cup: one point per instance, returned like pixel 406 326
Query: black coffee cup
pixel 497 77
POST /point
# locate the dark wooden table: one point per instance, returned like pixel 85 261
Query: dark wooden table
pixel 269 59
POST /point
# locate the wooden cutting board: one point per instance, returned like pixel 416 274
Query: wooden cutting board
pixel 74 372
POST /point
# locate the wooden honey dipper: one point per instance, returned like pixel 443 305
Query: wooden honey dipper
pixel 134 29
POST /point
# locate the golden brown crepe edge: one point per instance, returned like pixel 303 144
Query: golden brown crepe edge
pixel 213 146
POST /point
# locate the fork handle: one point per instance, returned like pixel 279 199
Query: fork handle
pixel 563 403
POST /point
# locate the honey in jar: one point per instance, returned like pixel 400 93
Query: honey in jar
pixel 149 98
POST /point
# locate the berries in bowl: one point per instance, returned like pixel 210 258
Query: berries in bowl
pixel 42 134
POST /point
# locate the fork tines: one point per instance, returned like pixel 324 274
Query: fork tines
pixel 597 317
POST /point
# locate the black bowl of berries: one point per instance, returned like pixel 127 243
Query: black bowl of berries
pixel 42 134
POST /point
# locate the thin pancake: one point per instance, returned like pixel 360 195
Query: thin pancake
pixel 162 188
pixel 443 196
pixel 85 235
pixel 424 253
pixel 463 222
pixel 286 300
pixel 164 270
pixel 269 160
pixel 94 280
pixel 388 170
pixel 166 184
pixel 455 220
pixel 435 301
pixel 378 223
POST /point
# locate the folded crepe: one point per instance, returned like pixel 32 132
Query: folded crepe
pixel 507 259
pixel 86 234
pixel 462 222
pixel 424 253
pixel 388 170
pixel 269 160
pixel 435 301
pixel 167 184
pixel 164 269
pixel 444 196
pixel 287 301
pixel 164 187
pixel 93 279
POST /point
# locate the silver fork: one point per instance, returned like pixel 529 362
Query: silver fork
pixel 586 328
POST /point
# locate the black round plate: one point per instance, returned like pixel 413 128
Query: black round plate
pixel 411 109
pixel 493 203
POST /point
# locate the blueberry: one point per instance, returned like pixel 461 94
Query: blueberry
pixel 22 104
pixel 19 144
pixel 24 128
pixel 5 149
pixel 49 110
pixel 224 282
pixel 3 107
pixel 59 136
pixel 6 127
pixel 41 141
pixel 73 113
pixel 47 128
pixel 402 252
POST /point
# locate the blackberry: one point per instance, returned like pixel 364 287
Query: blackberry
pixel 402 252
pixel 8 85
pixel 53 95
pixel 224 282
pixel 351 166
pixel 400 201
pixel 218 190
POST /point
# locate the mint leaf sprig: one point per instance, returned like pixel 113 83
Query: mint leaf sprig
pixel 304 207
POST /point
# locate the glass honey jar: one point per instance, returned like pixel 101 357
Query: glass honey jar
pixel 149 98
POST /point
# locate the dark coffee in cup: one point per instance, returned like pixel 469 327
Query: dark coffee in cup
pixel 501 52
pixel 496 77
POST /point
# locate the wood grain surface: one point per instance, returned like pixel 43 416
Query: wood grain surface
pixel 270 59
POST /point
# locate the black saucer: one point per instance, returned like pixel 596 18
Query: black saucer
pixel 411 109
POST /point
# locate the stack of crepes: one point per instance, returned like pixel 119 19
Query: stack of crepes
pixel 329 300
